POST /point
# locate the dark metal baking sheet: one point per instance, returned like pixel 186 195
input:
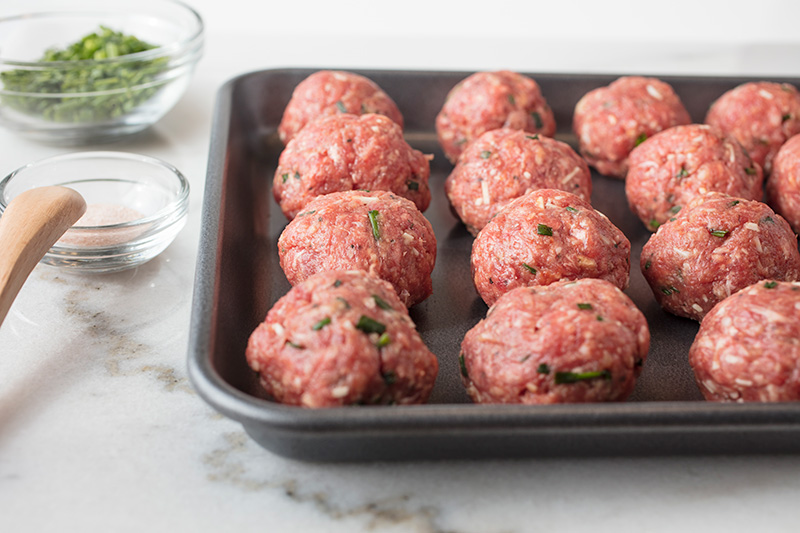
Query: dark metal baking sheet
pixel 238 279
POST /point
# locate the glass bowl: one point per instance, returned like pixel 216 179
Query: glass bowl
pixel 136 205
pixel 98 99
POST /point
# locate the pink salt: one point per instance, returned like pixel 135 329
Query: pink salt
pixel 103 215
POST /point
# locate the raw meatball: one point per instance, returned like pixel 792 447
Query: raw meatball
pixel 716 246
pixel 543 237
pixel 377 231
pixel 334 92
pixel 349 152
pixel 611 121
pixel 747 349
pixel 487 101
pixel 572 341
pixel 783 186
pixel 341 338
pixel 760 115
pixel 679 164
pixel 504 164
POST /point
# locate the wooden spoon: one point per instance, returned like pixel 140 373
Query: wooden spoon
pixel 31 224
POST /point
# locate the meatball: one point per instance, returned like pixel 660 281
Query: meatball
pixel 611 121
pixel 572 341
pixel 543 237
pixel 330 93
pixel 377 231
pixel 760 115
pixel 504 164
pixel 487 101
pixel 717 245
pixel 783 186
pixel 675 166
pixel 341 338
pixel 747 349
pixel 348 152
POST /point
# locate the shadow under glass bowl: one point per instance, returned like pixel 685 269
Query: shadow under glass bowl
pixel 93 100
pixel 136 205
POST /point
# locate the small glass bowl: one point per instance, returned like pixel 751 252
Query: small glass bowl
pixel 136 205
pixel 93 100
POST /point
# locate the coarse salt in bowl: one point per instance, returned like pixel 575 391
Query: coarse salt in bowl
pixel 136 205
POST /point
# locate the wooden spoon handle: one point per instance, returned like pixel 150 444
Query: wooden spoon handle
pixel 31 224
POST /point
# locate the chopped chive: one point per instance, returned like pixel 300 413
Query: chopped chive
pixel 389 377
pixel 770 284
pixel 295 346
pixel 463 365
pixel 718 232
pixel 572 377
pixel 669 290
pixel 529 268
pixel 337 283
pixel 786 117
pixel 733 203
pixel 655 224
pixel 682 173
pixel 532 137
pixel 321 324
pixel 750 170
pixel 344 302
pixel 412 186
pixel 285 177
pixel 543 369
pixel 571 209
pixel 381 302
pixel 600 318
pixel 525 358
pixel 368 325
pixel 675 209
pixel 340 106
pixel 768 219
pixel 511 99
pixel 373 219
pixel 486 154
pixel 647 264
pixel 384 340
pixel 585 306
pixel 296 175
pixel 542 229
pixel 640 139
pixel 537 119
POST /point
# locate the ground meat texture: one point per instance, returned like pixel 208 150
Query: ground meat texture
pixel 716 246
pixel 611 121
pixel 487 101
pixel 673 167
pixel 504 164
pixel 579 341
pixel 760 115
pixel 341 338
pixel 331 93
pixel 377 231
pixel 783 186
pixel 747 348
pixel 349 152
pixel 543 237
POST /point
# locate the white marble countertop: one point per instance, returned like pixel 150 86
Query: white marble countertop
pixel 101 431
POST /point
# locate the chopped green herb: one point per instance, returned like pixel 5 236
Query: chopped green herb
pixel 462 365
pixel 675 209
pixel 295 346
pixel 532 137
pixel 525 358
pixel 572 377
pixel 368 325
pixel 647 264
pixel 640 139
pixel 285 177
pixel 600 318
pixel 682 173
pixel 655 224
pixel 750 170
pixel 337 283
pixel 529 268
pixel 296 175
pixel 786 117
pixel 340 106
pixel 770 284
pixel 542 229
pixel 537 119
pixel 373 220
pixel 585 306
pixel 543 369
pixel 381 302
pixel 733 203
pixel 718 232
pixel 123 85
pixel 384 340
pixel 412 186
pixel 571 209
pixel 486 154
pixel 768 219
pixel 389 377
pixel 321 324
pixel 344 302
pixel 511 99
pixel 669 290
